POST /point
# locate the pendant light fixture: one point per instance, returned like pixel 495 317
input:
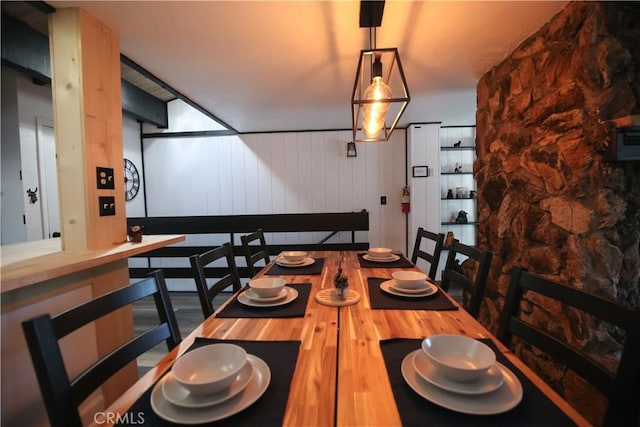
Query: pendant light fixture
pixel 380 93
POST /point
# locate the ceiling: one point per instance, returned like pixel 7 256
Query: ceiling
pixel 274 66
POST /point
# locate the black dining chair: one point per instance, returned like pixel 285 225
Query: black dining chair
pixel 254 252
pixel 622 388
pixel 433 258
pixel 63 395
pixel 473 284
pixel 225 275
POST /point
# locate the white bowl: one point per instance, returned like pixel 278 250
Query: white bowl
pixel 409 279
pixel 267 287
pixel 458 357
pixel 210 368
pixel 294 256
pixel 381 253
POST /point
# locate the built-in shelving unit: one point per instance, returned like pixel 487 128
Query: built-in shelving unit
pixel 448 153
pixel 457 154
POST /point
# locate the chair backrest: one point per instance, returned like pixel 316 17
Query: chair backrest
pixel 227 275
pixel 253 253
pixel 63 395
pixel 453 275
pixel 622 388
pixel 432 258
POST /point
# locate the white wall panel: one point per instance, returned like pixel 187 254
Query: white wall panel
pixel 424 149
pixel 280 173
pixel 212 187
pixel 131 148
pixel 238 177
pixel 251 176
pixel 305 179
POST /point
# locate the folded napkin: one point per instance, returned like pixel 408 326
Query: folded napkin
pixel 315 268
pixel 295 308
pixel 401 263
pixel 380 299
pixel 268 410
pixel 535 409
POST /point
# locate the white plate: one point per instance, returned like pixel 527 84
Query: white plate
pixel 426 287
pixel 178 395
pixel 505 398
pixel 282 262
pixel 389 287
pixel 290 296
pixel 176 414
pixel 486 384
pixel 392 258
pixel 253 296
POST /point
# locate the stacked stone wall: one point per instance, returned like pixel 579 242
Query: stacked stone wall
pixel 549 199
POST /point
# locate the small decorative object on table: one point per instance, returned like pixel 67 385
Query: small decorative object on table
pixel 339 295
pixel 135 233
pixel 472 194
pixel 341 283
pixel 450 194
pixel 457 168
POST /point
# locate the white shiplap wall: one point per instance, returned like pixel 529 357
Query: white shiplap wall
pixel 279 173
pixel 276 173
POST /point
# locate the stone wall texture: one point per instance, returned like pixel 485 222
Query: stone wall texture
pixel 548 197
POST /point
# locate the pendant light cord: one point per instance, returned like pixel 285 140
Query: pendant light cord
pixel 372 38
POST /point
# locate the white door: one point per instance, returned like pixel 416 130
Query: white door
pixel 48 179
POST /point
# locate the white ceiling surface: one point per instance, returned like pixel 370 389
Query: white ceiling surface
pixel 267 65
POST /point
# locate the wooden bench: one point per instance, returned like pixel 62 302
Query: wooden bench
pixel 235 225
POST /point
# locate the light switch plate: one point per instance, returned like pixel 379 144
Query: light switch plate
pixel 107 205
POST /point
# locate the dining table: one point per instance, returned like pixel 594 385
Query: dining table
pixel 337 362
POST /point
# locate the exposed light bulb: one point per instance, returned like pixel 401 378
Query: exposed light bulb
pixel 374 114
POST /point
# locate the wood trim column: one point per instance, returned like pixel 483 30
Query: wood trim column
pixel 87 110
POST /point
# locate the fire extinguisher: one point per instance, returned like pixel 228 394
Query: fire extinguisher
pixel 405 200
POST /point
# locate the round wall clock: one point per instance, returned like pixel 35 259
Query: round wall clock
pixel 131 180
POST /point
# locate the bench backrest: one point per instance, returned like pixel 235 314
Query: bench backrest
pixel 232 225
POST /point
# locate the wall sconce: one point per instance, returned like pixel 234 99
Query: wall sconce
pixel 351 149
pixel 380 89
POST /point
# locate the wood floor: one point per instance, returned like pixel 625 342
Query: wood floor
pixel 186 307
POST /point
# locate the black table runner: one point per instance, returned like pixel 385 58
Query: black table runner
pixel 278 270
pixel 295 308
pixel 268 410
pixel 403 262
pixel 380 299
pixel 535 409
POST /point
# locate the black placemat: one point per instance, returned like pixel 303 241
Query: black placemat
pixel 315 268
pixel 535 409
pixel 403 262
pixel 380 299
pixel 268 410
pixel 295 308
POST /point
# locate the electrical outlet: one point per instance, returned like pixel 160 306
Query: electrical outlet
pixel 104 177
pixel 383 200
pixel 107 205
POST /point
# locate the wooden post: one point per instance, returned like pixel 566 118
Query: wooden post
pixel 87 110
pixel 87 107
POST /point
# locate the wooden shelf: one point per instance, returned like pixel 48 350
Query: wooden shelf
pixel 457 148
pixel 458 198
pixel 456 173
pixel 456 223
pixel 29 263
